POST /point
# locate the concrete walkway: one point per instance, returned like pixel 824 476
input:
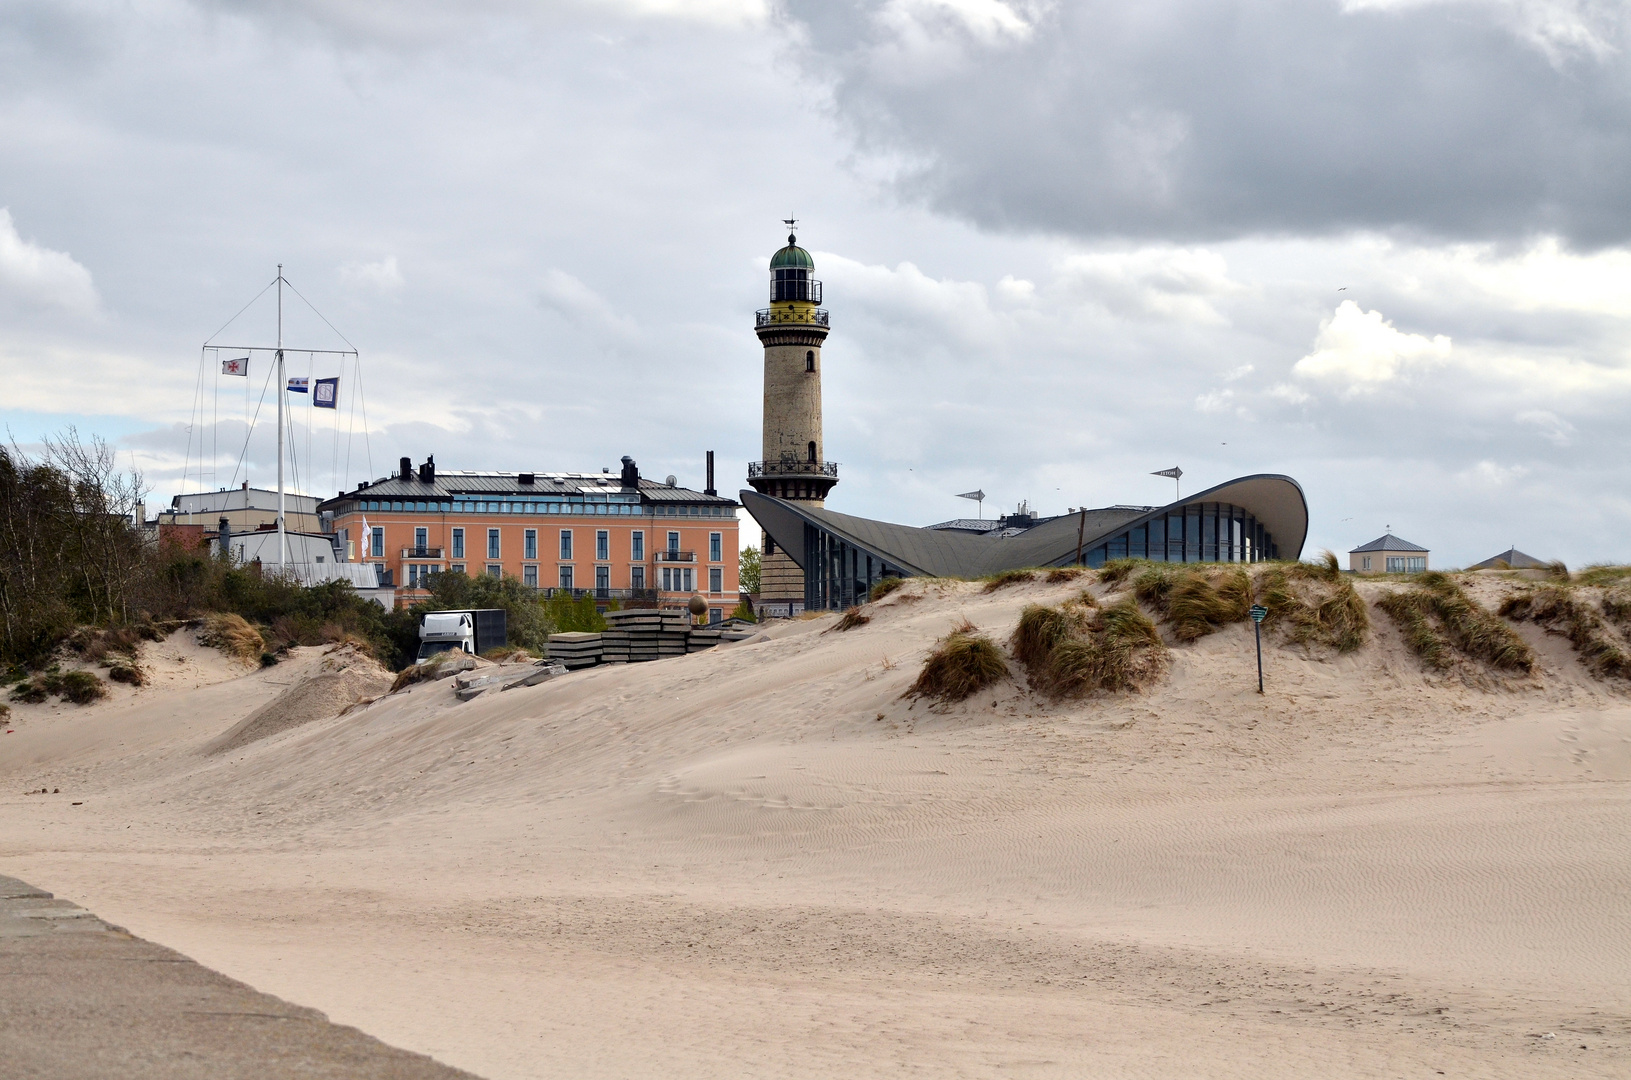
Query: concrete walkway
pixel 80 998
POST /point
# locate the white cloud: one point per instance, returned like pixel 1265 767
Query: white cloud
pixel 1363 350
pixel 1153 282
pixel 1290 394
pixel 579 304
pixel 1240 372
pixel 1552 426
pixel 1487 475
pixel 383 275
pixel 987 21
pixel 39 277
pixel 1561 29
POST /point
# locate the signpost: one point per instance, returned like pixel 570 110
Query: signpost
pixel 1258 613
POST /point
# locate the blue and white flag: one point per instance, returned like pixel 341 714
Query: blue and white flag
pixel 297 384
pixel 326 394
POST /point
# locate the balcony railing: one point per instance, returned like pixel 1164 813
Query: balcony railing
pixel 791 467
pixel 421 553
pixel 669 555
pixel 804 289
pixel 622 595
pixel 790 317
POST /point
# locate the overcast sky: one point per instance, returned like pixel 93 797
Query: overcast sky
pixel 1383 246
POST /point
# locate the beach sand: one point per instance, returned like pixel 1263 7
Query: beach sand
pixel 761 861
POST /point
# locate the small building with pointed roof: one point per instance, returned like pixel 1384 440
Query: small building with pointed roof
pixel 1388 554
pixel 1510 559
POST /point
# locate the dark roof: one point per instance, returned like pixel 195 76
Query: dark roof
pixel 449 483
pixel 1277 501
pixel 1514 559
pixel 792 257
pixel 1387 542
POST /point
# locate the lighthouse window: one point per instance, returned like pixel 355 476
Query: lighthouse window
pixel 812 451
pixel 809 360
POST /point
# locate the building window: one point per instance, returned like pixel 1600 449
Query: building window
pixel 376 542
pixel 529 544
pixel 809 360
pixel 716 579
pixel 1365 563
pixel 716 547
pixel 716 615
pixel 673 541
pixel 638 554
pixel 458 544
pixel 492 543
pixel 566 577
pixel 603 544
pixel 1406 564
pixel 812 451
pixel 566 543
pixel 529 576
pixel 421 537
pixel 603 579
pixel 637 577
pixel 457 568
pixel 494 570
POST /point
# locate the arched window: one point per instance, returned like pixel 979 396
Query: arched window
pixel 812 451
pixel 809 360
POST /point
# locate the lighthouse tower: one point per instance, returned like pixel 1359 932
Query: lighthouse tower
pixel 792 330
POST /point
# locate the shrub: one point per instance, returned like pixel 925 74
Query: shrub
pixel 127 673
pixel 31 691
pixel 1076 649
pixel 1562 610
pixel 1007 578
pixel 744 611
pixel 965 663
pixel 569 616
pixel 5 714
pixel 80 687
pixel 233 635
pixel 884 587
pixel 1439 619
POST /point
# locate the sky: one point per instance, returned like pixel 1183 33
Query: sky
pixel 1381 246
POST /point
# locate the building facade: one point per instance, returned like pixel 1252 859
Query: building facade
pixel 794 466
pixel 606 535
pixel 244 508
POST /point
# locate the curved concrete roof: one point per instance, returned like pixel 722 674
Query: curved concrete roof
pixel 1277 501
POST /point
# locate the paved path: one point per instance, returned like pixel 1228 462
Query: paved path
pixel 80 998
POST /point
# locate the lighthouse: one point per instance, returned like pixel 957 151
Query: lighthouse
pixel 792 330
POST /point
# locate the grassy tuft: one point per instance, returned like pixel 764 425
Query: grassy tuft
pixel 1061 574
pixel 851 618
pixel 883 588
pixel 233 635
pixel 1439 620
pixel 965 662
pixel 1192 601
pixel 1007 578
pixel 1311 606
pixel 1604 574
pixel 127 673
pixel 1075 649
pixel 1562 610
pixel 1116 571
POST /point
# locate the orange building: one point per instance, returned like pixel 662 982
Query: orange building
pixel 607 535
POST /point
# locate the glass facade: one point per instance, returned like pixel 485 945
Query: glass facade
pixel 838 574
pixel 1200 532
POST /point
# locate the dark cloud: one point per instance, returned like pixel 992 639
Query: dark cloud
pixel 1221 118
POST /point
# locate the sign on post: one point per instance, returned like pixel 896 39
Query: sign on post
pixel 1258 613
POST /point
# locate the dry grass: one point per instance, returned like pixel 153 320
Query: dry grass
pixel 1194 601
pixel 883 588
pixel 436 667
pixel 1314 604
pixel 1603 574
pixel 851 618
pixel 1116 571
pixel 1060 574
pixel 1617 606
pixel 1007 578
pixel 1563 610
pixel 1439 620
pixel 1077 648
pixel 233 636
pixel 963 663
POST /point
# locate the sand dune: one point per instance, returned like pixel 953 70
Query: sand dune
pixel 762 861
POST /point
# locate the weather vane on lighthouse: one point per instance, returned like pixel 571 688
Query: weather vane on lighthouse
pixel 790 223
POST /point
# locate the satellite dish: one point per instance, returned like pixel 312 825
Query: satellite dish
pixel 671 481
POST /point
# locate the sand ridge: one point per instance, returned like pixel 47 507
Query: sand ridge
pixel 762 855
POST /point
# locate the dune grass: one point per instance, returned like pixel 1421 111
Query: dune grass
pixel 1007 578
pixel 1078 648
pixel 1314 604
pixel 1563 610
pixel 964 662
pixel 1116 571
pixel 851 618
pixel 1604 574
pixel 1441 622
pixel 1194 601
pixel 233 635
pixel 1058 575
pixel 883 588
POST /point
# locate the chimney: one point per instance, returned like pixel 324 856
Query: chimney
pixel 631 474
pixel 223 536
pixel 709 489
pixel 427 471
pixel 405 469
